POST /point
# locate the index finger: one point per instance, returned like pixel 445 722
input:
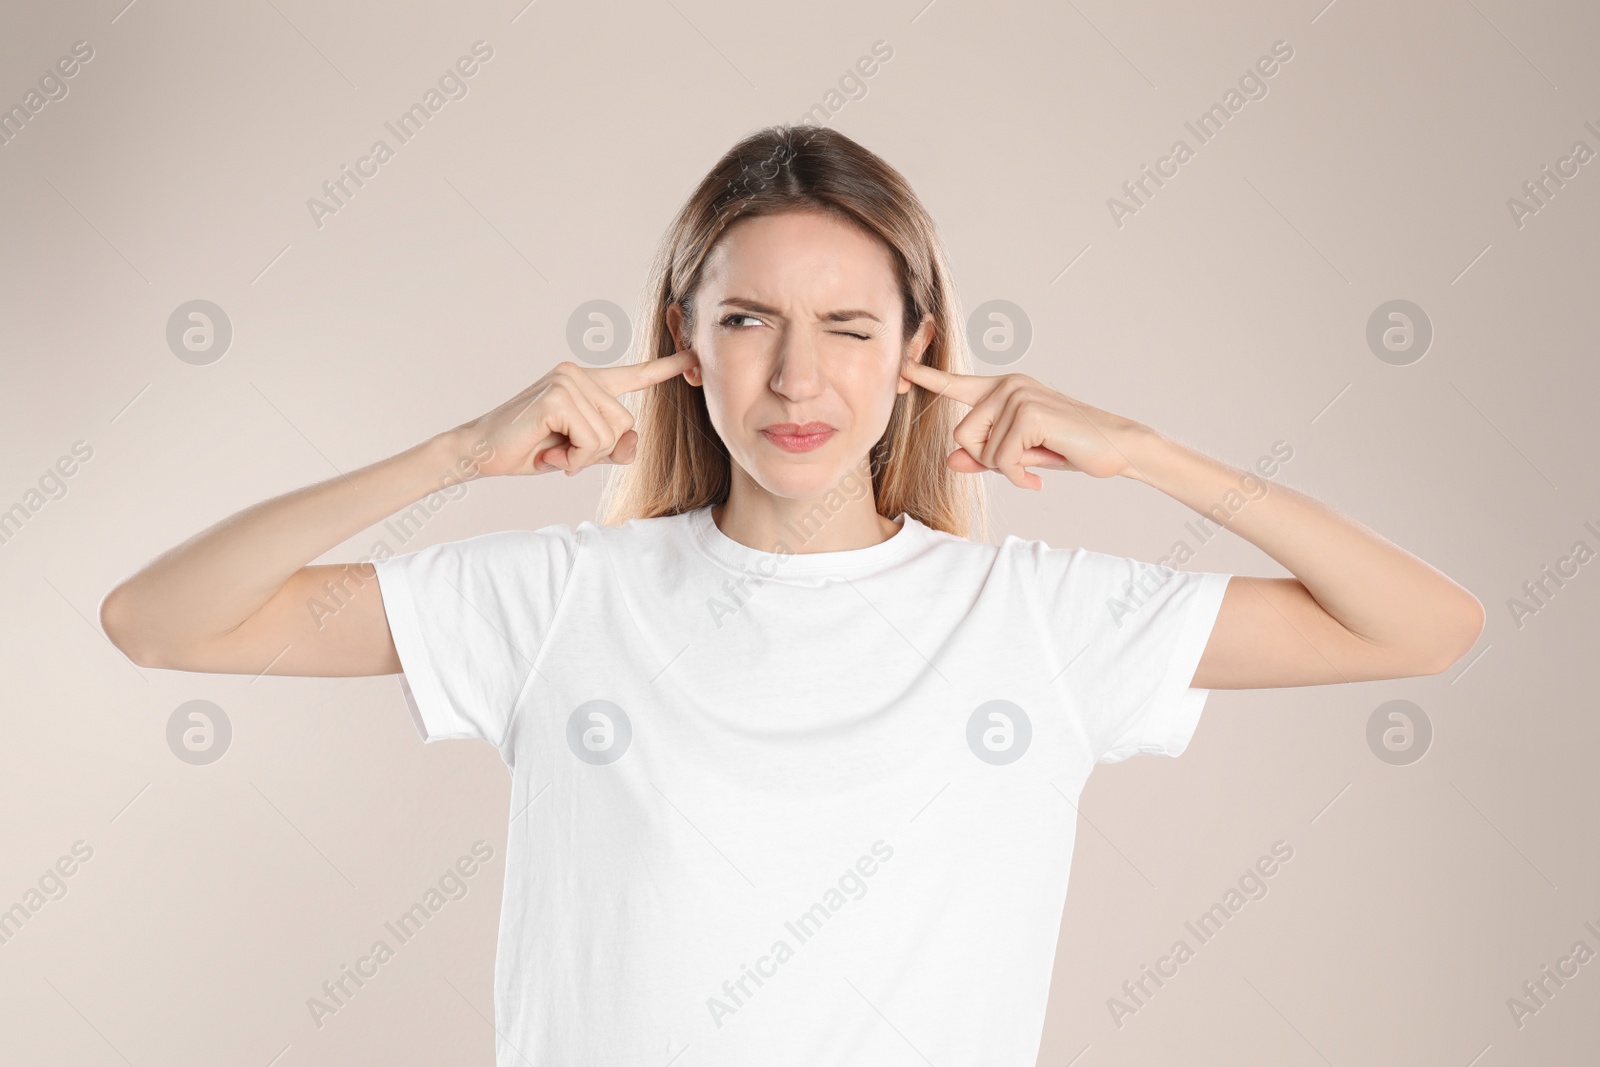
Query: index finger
pixel 626 379
pixel 967 388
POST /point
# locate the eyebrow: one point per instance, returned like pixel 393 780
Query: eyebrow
pixel 844 315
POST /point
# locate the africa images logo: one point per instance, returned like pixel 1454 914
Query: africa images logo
pixel 737 991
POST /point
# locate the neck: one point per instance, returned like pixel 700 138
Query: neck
pixel 830 523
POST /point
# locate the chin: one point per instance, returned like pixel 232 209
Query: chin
pixel 802 476
pixel 795 485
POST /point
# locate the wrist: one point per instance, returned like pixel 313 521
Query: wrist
pixel 1143 446
pixel 458 453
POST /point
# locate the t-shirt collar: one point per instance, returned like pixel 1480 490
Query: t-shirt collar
pixel 851 561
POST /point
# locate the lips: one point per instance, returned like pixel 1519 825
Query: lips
pixel 795 429
pixel 798 437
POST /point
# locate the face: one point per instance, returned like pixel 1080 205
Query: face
pixel 798 340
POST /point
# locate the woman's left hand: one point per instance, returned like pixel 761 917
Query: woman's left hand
pixel 1016 423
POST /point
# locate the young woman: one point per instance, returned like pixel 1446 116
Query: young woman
pixel 794 760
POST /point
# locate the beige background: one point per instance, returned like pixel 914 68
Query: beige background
pixel 1230 312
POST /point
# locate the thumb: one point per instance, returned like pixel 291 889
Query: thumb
pixel 627 445
pixel 961 460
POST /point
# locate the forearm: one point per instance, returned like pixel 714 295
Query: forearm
pixel 209 584
pixel 1374 588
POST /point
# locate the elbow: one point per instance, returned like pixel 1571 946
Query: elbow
pixel 112 619
pixel 120 629
pixel 1470 620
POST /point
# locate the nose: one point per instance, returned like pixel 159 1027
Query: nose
pixel 798 374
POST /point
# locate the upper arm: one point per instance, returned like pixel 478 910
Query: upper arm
pixel 1271 633
pixel 462 622
pixel 327 620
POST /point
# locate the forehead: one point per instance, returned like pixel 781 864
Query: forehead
pixel 803 256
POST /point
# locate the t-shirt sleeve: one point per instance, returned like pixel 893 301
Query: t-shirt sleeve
pixel 468 619
pixel 1131 634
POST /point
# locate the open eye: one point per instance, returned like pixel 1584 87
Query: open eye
pixel 728 319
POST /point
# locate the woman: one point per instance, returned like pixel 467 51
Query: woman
pixel 794 762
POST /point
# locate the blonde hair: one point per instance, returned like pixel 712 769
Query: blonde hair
pixel 680 462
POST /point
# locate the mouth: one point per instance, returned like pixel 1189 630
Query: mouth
pixel 792 437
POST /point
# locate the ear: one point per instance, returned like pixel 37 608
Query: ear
pixel 691 373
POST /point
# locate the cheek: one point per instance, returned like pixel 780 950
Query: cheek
pixel 873 381
pixel 730 385
pixel 869 395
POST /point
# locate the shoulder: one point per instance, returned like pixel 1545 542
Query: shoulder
pixel 633 536
pixel 498 549
pixel 950 553
pixel 1063 557
pixel 1015 550
pixel 565 540
pixel 1057 570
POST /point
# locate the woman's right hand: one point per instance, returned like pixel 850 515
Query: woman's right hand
pixel 566 420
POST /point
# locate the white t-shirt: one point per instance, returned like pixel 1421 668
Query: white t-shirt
pixel 788 808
